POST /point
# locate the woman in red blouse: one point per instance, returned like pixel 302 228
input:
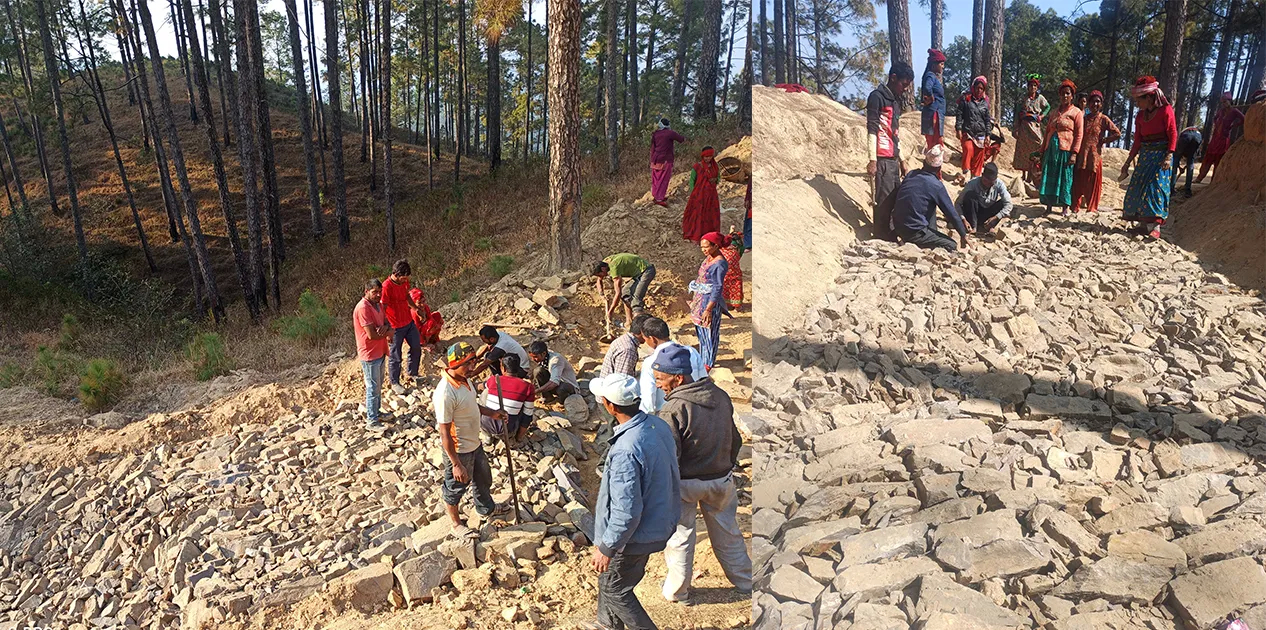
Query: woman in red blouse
pixel 1155 138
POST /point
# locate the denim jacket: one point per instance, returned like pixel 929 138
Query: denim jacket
pixel 639 502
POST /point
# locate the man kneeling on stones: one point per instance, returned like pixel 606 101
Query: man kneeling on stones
pixel 915 202
pixel 457 418
pixel 554 377
pixel 701 416
pixel 984 202
pixel 638 503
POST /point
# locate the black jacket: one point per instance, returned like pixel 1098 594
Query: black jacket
pixel 702 418
pixel 973 116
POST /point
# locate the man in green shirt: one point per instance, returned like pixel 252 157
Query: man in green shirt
pixel 622 267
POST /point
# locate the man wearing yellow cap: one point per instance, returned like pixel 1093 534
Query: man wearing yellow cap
pixel 457 417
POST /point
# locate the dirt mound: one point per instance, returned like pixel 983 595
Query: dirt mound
pixel 1225 224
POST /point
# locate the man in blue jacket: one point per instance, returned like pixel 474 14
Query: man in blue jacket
pixel 639 502
pixel 915 203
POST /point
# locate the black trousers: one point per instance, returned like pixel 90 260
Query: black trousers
pixel 540 376
pixel 618 606
pixel 976 212
pixel 928 238
pixel 887 178
pixel 1191 162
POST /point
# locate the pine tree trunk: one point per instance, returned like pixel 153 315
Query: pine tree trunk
pixel 435 53
pixel 679 64
pixel 528 72
pixel 305 124
pixel 178 22
pixel 167 120
pixel 937 10
pixel 992 50
pixel 332 71
pixel 149 119
pixel 650 58
pixel 630 39
pixel 977 37
pixel 50 65
pixel 494 103
pixel 264 140
pixel 1219 71
pixel 463 123
pixel 384 10
pixel 780 64
pixel 817 47
pixel 564 18
pixel 729 55
pixel 103 108
pixel 610 46
pixel 202 80
pixel 1171 49
pixel 248 154
pixel 744 111
pixel 706 87
pixel 223 70
pixel 899 41
pixel 362 8
pixel 1259 68
pixel 792 31
pixel 764 44
pixel 1108 10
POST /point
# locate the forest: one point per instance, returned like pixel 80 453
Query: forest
pixel 1197 50
pixel 463 97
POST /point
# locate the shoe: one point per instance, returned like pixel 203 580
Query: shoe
pixel 500 509
pixel 398 389
pixel 375 426
pixel 1155 233
pixel 461 531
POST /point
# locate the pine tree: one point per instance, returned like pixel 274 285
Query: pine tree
pixel 564 17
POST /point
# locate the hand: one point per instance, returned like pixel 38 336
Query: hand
pixel 500 416
pixel 1166 164
pixel 870 168
pixel 991 222
pixel 460 473
pixel 927 99
pixel 600 561
pixel 966 242
pixel 707 318
pixel 1125 170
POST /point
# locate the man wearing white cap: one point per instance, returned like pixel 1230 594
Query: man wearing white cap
pixel 638 502
pixel 916 200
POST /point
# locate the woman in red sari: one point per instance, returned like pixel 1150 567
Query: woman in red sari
pixel 429 322
pixel 1097 130
pixel 703 209
pixel 732 287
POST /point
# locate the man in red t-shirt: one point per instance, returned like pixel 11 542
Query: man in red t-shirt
pixel 371 328
pixel 400 308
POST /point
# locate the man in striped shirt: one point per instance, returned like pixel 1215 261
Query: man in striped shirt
pixel 622 354
pixel 512 393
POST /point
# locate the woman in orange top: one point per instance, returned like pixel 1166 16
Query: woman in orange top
pixel 1060 148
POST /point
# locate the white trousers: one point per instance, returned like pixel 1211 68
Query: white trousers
pixel 719 501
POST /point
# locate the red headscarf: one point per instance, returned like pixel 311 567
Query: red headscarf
pixel 1148 84
pixel 935 56
pixel 717 238
pixel 1067 83
pixel 1094 93
pixel 707 153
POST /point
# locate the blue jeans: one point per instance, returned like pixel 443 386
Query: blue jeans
pixel 398 337
pixel 373 386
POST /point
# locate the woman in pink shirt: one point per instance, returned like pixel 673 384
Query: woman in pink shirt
pixel 1059 149
pixel 662 160
pixel 1155 138
pixel 1227 119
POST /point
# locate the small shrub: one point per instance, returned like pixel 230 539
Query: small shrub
pixel 500 265
pixel 209 356
pixel 376 271
pixel 312 324
pixel 101 384
pixel 595 195
pixel 484 244
pixel 53 368
pixel 71 331
pixel 10 375
pixel 455 296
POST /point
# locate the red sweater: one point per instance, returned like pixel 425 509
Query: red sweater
pixel 1161 126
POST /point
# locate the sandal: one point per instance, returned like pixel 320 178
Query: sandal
pixel 462 531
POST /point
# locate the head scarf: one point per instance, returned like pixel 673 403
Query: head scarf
pixel 935 56
pixel 1094 93
pixel 1067 83
pixel 934 157
pixel 1257 96
pixel 1034 78
pixel 981 80
pixel 1227 96
pixel 716 238
pixel 663 123
pixel 1149 85
pixel 707 153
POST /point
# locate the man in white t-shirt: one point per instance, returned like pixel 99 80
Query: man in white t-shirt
pixel 497 345
pixel 457 417
pixel 656 336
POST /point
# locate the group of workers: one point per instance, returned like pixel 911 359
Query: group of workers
pixel 675 440
pixel 1058 149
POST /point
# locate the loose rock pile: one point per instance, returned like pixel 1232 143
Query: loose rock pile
pixel 266 515
pixel 1064 429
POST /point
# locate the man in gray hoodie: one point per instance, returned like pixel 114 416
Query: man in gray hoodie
pixel 701 416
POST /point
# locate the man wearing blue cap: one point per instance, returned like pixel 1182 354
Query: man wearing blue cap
pixel 701 416
pixel 638 502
